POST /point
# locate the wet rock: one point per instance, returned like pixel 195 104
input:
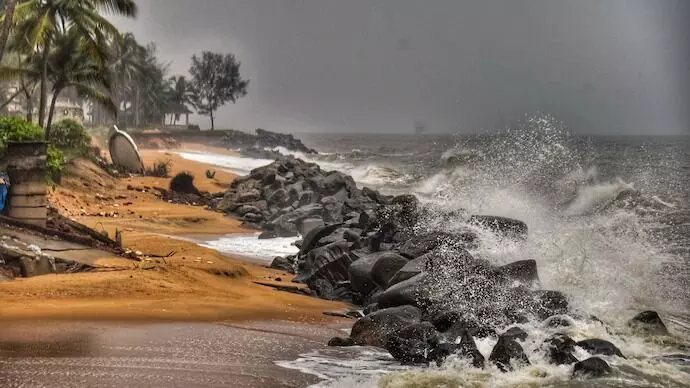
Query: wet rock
pixel 374 270
pixel 308 224
pixel 454 323
pixel 313 236
pixel 591 368
pixel 375 328
pixel 339 341
pixel 515 333
pixel 410 269
pixel 523 271
pixel 507 354
pixel 502 225
pixel 559 321
pixel 600 346
pixel 244 209
pixel 413 344
pixel 648 322
pixel 286 263
pixel 324 268
pixel 548 303
pixel 559 349
pixel 413 291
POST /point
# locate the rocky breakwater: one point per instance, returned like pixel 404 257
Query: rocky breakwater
pixel 426 293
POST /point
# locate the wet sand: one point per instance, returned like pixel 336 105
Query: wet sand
pixel 66 355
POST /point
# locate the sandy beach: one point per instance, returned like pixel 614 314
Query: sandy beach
pixel 193 283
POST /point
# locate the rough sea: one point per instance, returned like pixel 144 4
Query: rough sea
pixel 609 225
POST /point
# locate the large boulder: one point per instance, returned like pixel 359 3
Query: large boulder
pixel 559 349
pixel 325 268
pixel 421 244
pixel 648 322
pixel 414 291
pixel 313 236
pixel 410 269
pixel 595 346
pixel 591 368
pixel 413 344
pixel 508 354
pixel 375 328
pixel 374 270
pixel 308 224
pixel 501 225
pixel 523 271
pixel 287 263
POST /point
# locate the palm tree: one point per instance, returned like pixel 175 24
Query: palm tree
pixel 40 21
pixel 71 63
pixel 10 5
pixel 181 95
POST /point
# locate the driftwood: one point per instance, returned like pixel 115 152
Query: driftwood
pixel 100 237
pixel 292 289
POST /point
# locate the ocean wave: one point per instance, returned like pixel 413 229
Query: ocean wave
pixel 236 164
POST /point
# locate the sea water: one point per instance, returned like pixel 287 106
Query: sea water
pixel 609 225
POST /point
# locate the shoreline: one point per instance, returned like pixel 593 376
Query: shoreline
pixel 193 284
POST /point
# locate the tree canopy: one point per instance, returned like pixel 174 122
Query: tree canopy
pixel 215 80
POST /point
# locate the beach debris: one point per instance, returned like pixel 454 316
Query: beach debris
pixel 124 152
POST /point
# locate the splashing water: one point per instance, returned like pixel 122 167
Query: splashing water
pixel 602 239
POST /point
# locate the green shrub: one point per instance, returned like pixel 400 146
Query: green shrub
pixel 55 160
pixel 17 129
pixel 69 135
pixel 160 168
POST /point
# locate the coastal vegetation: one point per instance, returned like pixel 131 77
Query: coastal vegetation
pixel 54 49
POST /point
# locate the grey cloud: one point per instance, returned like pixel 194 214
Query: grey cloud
pixel 362 65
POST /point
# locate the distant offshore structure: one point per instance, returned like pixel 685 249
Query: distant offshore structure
pixel 419 127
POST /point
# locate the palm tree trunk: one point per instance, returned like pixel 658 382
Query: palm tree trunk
pixel 136 108
pixel 212 124
pixel 51 112
pixel 6 25
pixel 44 89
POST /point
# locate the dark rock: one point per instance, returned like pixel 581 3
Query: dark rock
pixel 287 263
pixel 413 291
pixel 502 225
pixel 352 236
pixel 413 344
pixel 249 196
pixel 373 270
pixel 253 217
pixel 599 346
pixel 523 271
pixel 244 209
pixel 410 269
pixel 591 368
pixel 515 333
pixel 339 341
pixel 370 308
pixel 325 267
pixel 559 321
pixel 508 353
pixel 548 303
pixel 375 328
pixel 648 322
pixel 454 323
pixel 313 236
pixel 308 224
pixel 559 349
pixel 421 244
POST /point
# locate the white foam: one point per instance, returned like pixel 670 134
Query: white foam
pixel 236 164
pixel 250 246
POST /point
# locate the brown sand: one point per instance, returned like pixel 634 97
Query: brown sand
pixel 193 283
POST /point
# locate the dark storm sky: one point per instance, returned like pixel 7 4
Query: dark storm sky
pixel 601 66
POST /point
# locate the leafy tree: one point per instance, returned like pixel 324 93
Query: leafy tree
pixel 10 5
pixel 70 135
pixel 215 80
pixel 17 129
pixel 72 63
pixel 38 23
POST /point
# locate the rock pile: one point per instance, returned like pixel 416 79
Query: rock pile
pixel 425 295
